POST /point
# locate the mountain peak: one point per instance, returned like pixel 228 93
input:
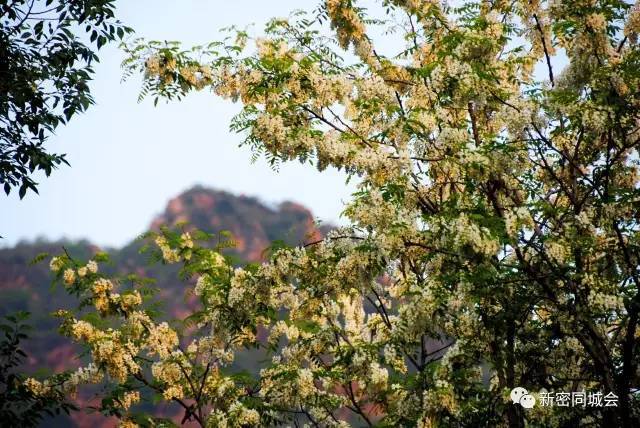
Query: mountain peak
pixel 252 223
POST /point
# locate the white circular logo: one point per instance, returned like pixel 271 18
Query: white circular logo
pixel 521 396
pixel 527 401
pixel 517 393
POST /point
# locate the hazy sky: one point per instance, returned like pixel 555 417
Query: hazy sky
pixel 127 159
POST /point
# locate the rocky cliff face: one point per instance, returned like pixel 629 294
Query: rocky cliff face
pixel 253 225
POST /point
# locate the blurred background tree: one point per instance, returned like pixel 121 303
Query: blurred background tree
pixel 19 406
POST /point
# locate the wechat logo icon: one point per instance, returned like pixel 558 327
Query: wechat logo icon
pixel 522 397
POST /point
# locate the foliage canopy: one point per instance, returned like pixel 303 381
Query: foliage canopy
pixel 47 49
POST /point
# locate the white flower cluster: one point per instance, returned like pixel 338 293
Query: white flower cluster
pixel 466 232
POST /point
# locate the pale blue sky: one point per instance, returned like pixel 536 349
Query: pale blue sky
pixel 128 159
